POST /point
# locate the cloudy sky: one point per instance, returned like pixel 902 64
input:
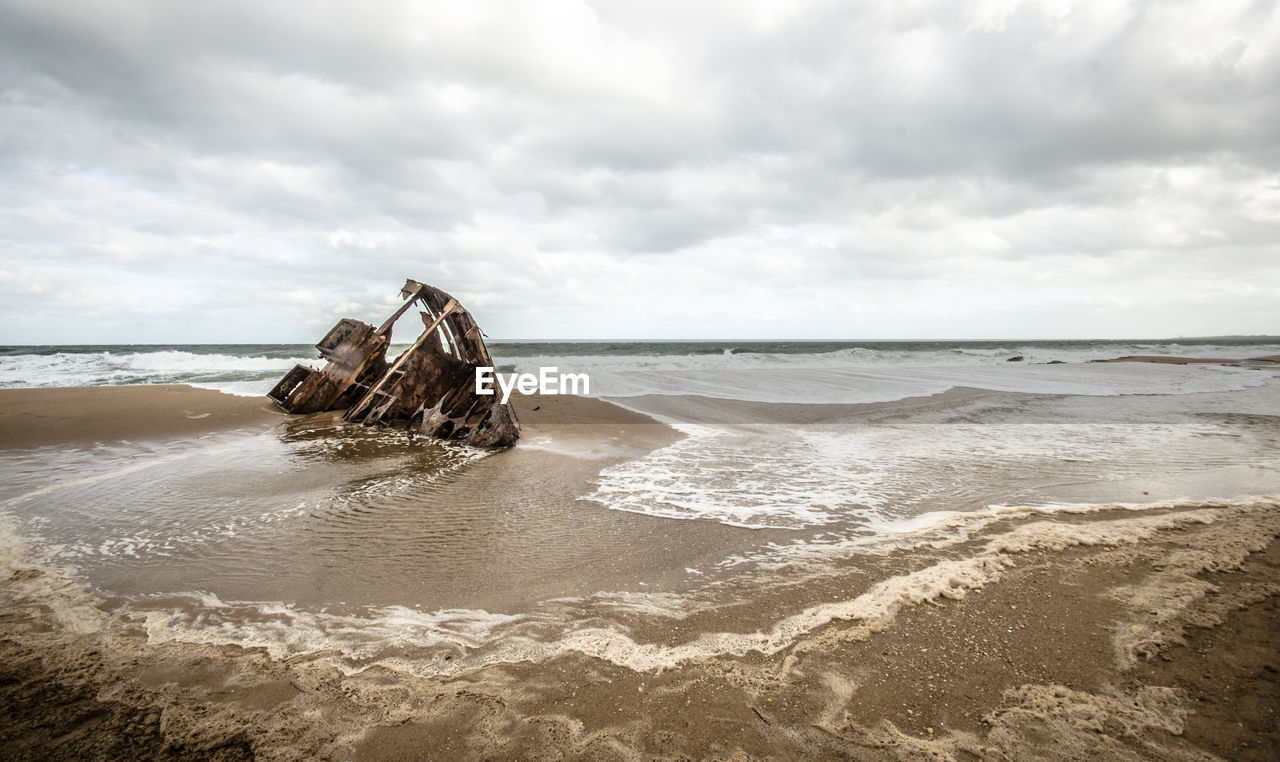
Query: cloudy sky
pixel 250 171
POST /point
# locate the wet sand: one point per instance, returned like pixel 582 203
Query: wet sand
pixel 1110 634
pixel 83 416
pixel 1085 645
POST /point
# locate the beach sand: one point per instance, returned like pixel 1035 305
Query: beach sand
pixel 1108 634
pixel 83 416
pixel 86 416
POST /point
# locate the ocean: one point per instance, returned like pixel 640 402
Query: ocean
pixel 775 460
pixel 622 368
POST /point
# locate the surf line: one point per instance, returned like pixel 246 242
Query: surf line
pixel 548 380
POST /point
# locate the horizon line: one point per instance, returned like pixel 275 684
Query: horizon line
pixel 1219 337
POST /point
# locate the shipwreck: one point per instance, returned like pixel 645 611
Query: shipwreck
pixel 430 387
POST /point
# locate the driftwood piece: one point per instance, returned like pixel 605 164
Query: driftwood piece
pixel 429 387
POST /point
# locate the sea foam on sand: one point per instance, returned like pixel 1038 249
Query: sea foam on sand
pixel 473 638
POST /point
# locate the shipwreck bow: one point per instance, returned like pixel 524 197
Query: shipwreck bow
pixel 430 387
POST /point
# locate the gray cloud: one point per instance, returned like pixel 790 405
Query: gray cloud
pixel 241 172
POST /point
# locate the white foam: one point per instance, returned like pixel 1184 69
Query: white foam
pixel 790 477
pixel 942 529
pixel 33 577
pixel 239 388
pixel 870 612
pixel 875 609
pixel 146 542
pixel 285 630
pixel 139 367
pixel 453 641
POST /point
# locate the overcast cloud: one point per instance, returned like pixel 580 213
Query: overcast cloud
pixel 249 172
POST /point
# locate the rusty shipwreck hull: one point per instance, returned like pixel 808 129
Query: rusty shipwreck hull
pixel 430 387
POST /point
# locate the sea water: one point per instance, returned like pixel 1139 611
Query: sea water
pixel 434 558
pixel 617 368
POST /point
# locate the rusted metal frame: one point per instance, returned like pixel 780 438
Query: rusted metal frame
pixel 377 388
pixel 378 351
pixel 420 385
pixel 457 328
pixel 429 316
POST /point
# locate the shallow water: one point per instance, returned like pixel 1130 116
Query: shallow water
pixel 325 514
pixel 433 558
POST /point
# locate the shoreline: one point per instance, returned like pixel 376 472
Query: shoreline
pixel 1104 635
pixel 1146 632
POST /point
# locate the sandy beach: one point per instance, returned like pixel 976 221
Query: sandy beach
pixel 1101 632
pixel 83 416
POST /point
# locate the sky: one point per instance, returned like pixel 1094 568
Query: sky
pixel 175 172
